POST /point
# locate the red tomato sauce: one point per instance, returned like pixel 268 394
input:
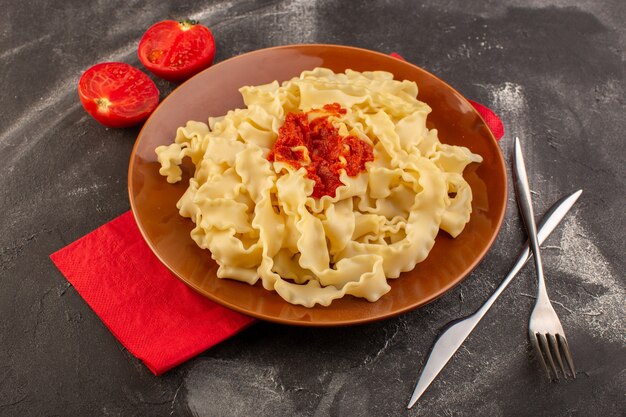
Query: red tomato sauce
pixel 325 147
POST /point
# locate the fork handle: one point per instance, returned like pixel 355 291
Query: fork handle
pixel 526 209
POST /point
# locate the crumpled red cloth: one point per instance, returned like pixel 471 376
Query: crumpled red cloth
pixel 154 315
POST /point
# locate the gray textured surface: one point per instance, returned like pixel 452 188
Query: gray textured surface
pixel 555 73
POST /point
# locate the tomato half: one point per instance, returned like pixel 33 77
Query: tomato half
pixel 117 94
pixel 176 51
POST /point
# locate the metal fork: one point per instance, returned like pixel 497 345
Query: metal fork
pixel 544 328
pixel 451 338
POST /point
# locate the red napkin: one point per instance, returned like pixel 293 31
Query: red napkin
pixel 153 314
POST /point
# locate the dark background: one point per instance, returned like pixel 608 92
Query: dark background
pixel 554 72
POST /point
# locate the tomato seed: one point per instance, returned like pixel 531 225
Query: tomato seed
pixel 155 55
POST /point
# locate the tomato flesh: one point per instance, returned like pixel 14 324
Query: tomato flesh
pixel 176 51
pixel 117 94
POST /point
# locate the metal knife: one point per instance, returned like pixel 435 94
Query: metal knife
pixel 455 334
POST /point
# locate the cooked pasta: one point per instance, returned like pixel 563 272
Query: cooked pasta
pixel 257 213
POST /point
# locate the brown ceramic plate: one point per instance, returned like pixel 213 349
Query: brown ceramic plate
pixel 214 92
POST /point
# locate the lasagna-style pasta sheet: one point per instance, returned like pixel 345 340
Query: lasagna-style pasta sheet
pixel 259 220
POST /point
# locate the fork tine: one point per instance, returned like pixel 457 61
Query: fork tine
pixel 557 354
pixel 567 353
pixel 546 350
pixel 535 343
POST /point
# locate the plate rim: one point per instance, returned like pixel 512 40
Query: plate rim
pixel 335 323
